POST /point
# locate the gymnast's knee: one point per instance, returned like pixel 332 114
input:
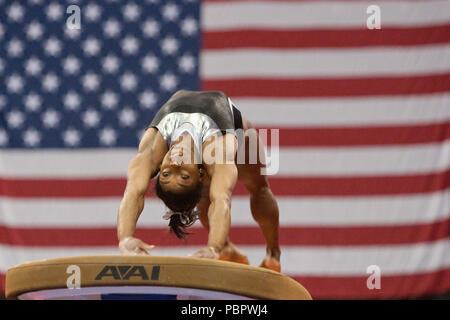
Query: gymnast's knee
pixel 259 187
pixel 261 192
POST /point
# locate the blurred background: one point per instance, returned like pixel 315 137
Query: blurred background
pixel 361 97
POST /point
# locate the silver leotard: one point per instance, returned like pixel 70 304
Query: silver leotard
pixel 201 114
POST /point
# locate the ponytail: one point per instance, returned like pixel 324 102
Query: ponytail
pixel 180 221
pixel 182 212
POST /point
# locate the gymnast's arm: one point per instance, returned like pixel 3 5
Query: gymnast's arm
pixel 223 179
pixel 144 166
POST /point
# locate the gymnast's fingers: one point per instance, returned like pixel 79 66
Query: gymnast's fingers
pixel 148 246
pixel 207 252
pixel 142 252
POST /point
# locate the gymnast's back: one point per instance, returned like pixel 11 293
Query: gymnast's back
pixel 214 104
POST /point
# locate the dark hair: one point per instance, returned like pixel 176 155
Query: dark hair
pixel 180 202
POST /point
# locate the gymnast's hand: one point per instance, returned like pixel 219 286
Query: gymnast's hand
pixel 134 246
pixel 206 252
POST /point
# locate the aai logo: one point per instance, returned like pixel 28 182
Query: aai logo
pixel 127 273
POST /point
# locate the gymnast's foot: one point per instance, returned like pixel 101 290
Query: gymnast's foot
pixel 272 261
pixel 231 253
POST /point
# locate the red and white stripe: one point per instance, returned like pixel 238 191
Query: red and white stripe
pixel 364 179
pixel 364 119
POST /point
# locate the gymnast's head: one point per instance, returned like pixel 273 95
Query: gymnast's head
pixel 179 185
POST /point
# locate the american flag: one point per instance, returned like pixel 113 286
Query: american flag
pixel 364 119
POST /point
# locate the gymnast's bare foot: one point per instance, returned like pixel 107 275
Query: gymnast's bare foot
pixel 232 254
pixel 272 261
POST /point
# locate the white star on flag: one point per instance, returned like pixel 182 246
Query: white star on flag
pixel 50 82
pixel 187 63
pixel 15 119
pixel 150 63
pixel 170 12
pixel 111 28
pixel 128 81
pixel 72 100
pixel 147 99
pixel 71 65
pixel 130 45
pixel 34 30
pixel 33 66
pixel 189 26
pixel 107 136
pixel 131 11
pixel 90 81
pixel 15 12
pixel 50 118
pixel 72 34
pixel 52 46
pixel 127 117
pixel 92 12
pixel 91 118
pixel 3 138
pixel 111 64
pixel 169 45
pixel 54 11
pixel 14 48
pixel 109 100
pixel 150 28
pixel 31 137
pixel 91 46
pixel 168 81
pixel 71 137
pixel 32 101
pixel 14 83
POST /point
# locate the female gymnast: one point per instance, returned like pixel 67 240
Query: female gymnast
pixel 193 143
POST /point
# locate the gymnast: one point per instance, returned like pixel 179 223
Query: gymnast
pixel 193 142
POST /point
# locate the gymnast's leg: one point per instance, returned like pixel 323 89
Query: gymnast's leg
pixel 265 212
pixel 263 205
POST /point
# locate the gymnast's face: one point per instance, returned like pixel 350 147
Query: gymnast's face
pixel 178 172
